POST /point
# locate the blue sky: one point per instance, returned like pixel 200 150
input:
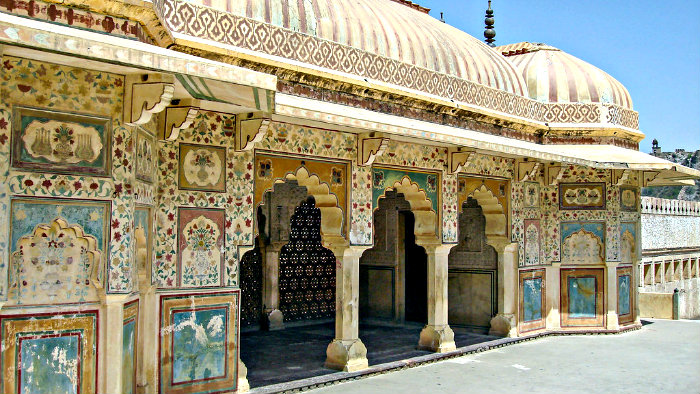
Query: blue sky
pixel 651 47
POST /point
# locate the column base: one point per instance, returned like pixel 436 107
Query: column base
pixel 439 339
pixel 274 320
pixel 243 385
pixel 348 356
pixel 504 325
pixel 611 322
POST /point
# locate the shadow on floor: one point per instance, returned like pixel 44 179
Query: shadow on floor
pixel 299 352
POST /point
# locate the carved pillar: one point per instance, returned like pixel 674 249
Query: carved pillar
pixel 437 335
pixel 553 291
pixel 147 369
pixel 271 289
pixel 347 352
pixel 504 323
pixel 114 317
pixel 611 295
pixel 243 385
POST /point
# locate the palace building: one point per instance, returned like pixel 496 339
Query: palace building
pixel 176 175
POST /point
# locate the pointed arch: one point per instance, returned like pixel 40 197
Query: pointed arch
pixel 421 206
pixel 496 219
pixel 332 215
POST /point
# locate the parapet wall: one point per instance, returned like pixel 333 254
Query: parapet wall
pixel 670 224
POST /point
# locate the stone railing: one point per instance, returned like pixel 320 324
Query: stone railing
pixel 670 257
pixel 663 206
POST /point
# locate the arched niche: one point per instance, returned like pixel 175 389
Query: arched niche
pixel 288 193
pixel 496 220
pixel 420 205
pixel 472 273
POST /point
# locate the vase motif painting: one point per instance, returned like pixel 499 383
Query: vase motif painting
pixel 61 142
pixel 582 196
pixel 201 247
pixel 202 168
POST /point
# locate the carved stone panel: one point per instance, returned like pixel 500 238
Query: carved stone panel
pixel 472 251
pixel 278 208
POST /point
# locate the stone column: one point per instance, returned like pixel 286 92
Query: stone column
pixel 243 385
pixel 112 350
pixel 553 296
pixel 504 323
pixel 347 352
pixel 437 335
pixel 611 295
pixel 147 346
pixel 271 290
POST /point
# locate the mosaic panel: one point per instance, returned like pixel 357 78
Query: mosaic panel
pixel 582 196
pixel 145 161
pixel 361 210
pixel 201 247
pixel 625 306
pixel 532 299
pixel 628 243
pixel 198 342
pixel 532 242
pixel 629 200
pixel 450 209
pixel 50 141
pixel 129 342
pixel 384 178
pixel 582 297
pixel 58 249
pixel 143 238
pixel 56 351
pixel 583 242
pixel 531 195
pixel 202 168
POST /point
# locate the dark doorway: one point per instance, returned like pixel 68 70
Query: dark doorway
pixel 416 271
pixel 393 273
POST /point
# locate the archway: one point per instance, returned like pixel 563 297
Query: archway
pixel 393 273
pixel 496 233
pixel 296 217
pixel 473 272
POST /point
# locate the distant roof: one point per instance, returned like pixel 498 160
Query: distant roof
pixel 379 29
pixel 555 76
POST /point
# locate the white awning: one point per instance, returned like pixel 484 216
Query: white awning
pixel 224 86
pixel 596 156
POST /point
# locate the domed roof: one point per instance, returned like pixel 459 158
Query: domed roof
pixel 555 76
pixel 393 29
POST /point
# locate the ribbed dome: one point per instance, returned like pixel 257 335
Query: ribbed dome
pixel 554 76
pixel 398 30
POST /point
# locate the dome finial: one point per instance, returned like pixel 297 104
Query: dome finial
pixel 489 33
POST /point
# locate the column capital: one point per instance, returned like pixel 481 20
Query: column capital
pixel 611 264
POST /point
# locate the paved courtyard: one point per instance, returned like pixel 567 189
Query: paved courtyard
pixel 662 357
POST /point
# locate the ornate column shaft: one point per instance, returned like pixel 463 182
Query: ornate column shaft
pixel 114 318
pixel 347 352
pixel 553 295
pixel 504 323
pixel 437 335
pixel 611 295
pixel 271 290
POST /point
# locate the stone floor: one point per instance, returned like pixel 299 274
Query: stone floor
pixel 299 352
pixel 661 357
